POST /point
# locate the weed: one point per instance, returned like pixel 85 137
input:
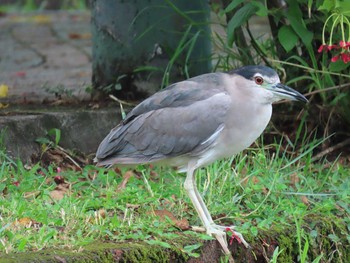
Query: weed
pixel 258 193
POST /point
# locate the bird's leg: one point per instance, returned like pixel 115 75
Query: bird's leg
pixel 200 199
pixel 235 234
pixel 190 187
pixel 212 229
pixel 202 210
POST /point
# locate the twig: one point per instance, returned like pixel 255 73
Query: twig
pixel 327 89
pixel 199 229
pixel 331 149
pixel 308 68
pixel 121 101
pixel 68 156
pixel 326 129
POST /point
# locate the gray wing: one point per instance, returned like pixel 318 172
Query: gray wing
pixel 164 126
pixel 180 94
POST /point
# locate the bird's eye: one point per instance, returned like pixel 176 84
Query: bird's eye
pixel 259 80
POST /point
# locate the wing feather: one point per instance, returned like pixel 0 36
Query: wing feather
pixel 164 127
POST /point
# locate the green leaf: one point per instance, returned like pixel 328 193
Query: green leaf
pixel 42 140
pixel 240 17
pixel 254 231
pixel 263 11
pixel 318 259
pixel 306 247
pixel 158 242
pixel 190 248
pixel 328 5
pixel 148 68
pixel 334 238
pixel 295 18
pixel 56 133
pixel 343 7
pixel 233 5
pixel 287 38
pixel 338 66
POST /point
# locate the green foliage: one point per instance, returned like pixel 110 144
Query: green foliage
pixel 185 46
pixel 260 194
pixel 275 255
pixel 298 29
pixel 52 139
pixel 340 6
pixel 240 17
pixel 287 37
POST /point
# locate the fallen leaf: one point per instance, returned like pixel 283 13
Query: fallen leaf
pixel 59 179
pixel 247 179
pixel 132 206
pixel 57 194
pixel 95 106
pixel 26 222
pixel 28 167
pixel 163 214
pixel 265 190
pixel 60 191
pixel 182 224
pixel 101 213
pixel 294 179
pixel 98 216
pixel 255 180
pixel 33 194
pixel 3 106
pixel 79 35
pixel 154 176
pixel 4 89
pixel 41 19
pixel 60 259
pixel 305 200
pixel 126 178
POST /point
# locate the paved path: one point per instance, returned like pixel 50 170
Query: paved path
pixel 45 55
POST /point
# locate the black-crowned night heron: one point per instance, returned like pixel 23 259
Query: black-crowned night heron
pixel 195 122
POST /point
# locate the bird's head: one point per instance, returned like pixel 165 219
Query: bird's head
pixel 267 81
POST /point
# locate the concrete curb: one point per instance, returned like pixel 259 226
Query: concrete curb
pixel 81 129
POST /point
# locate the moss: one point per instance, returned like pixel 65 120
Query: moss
pixel 286 242
pixel 329 230
pixel 104 252
pixel 286 239
pixel 262 247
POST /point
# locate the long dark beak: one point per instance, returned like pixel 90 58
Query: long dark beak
pixel 286 92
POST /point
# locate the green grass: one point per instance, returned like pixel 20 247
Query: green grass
pixel 260 193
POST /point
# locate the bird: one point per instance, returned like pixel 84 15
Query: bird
pixel 193 123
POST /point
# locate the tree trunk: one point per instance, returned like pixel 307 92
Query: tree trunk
pixel 134 42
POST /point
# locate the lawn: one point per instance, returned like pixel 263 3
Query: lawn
pixel 290 208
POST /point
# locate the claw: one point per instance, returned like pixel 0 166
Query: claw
pixel 217 230
pixel 236 235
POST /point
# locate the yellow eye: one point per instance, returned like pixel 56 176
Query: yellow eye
pixel 259 80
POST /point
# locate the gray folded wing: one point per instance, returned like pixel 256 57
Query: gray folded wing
pixel 179 120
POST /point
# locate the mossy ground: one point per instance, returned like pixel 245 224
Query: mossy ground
pixel 262 247
pixel 52 211
pixel 103 252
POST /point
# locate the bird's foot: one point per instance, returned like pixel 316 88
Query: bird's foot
pixel 220 236
pixel 230 230
pixel 238 236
